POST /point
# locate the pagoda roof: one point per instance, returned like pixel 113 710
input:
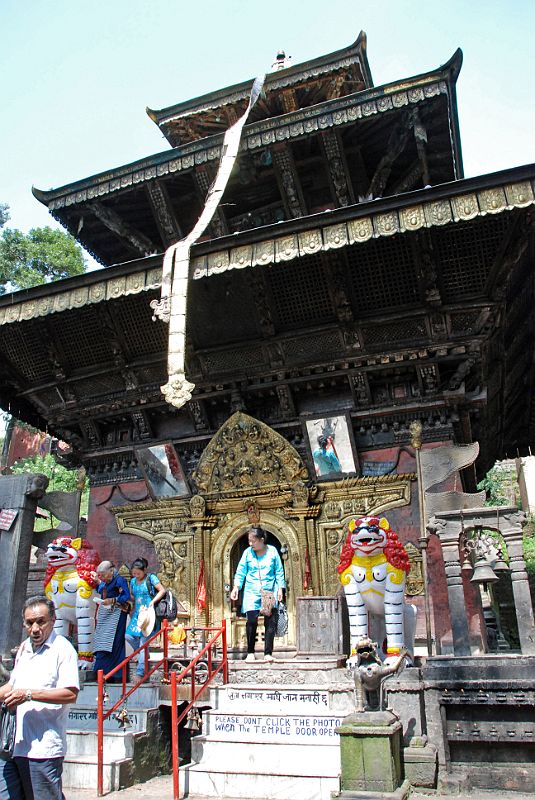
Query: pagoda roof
pixel 142 207
pixel 420 304
pixel 297 86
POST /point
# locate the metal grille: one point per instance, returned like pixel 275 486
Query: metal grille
pixel 464 324
pixel 82 339
pixel 133 317
pixel 316 346
pixel 382 275
pixel 300 293
pixel 402 331
pixel 244 359
pixel 100 384
pixel 465 253
pixel 25 349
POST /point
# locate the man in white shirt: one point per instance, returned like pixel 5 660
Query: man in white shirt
pixel 43 683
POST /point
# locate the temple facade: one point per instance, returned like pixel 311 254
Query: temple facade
pixel 351 282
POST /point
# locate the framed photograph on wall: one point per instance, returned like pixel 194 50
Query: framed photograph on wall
pixel 331 446
pixel 162 471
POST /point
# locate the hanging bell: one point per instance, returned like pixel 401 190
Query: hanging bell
pixel 193 721
pixel 466 565
pixel 123 719
pixel 483 572
pixel 500 565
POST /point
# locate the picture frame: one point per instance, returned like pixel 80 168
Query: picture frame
pixel 162 471
pixel 331 446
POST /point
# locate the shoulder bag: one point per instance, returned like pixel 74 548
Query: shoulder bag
pixel 267 598
pixel 166 608
pixel 8 726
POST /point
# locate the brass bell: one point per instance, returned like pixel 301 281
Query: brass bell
pixel 466 565
pixel 483 572
pixel 193 721
pixel 123 719
pixel 500 565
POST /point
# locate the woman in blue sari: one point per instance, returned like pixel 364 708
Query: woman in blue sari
pixel 260 567
pixel 109 642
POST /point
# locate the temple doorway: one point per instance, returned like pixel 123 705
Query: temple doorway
pixel 236 545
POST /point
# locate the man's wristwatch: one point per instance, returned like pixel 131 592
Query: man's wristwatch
pixel 28 694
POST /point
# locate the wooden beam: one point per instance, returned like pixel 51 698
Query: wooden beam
pixel 288 180
pixel 396 144
pixel 341 187
pixel 170 231
pixel 111 220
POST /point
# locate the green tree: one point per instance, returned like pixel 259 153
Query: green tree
pixel 37 257
pixel 4 214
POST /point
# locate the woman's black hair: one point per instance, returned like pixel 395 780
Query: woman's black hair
pixel 258 533
pixel 140 563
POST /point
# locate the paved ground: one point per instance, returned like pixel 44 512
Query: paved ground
pixel 162 789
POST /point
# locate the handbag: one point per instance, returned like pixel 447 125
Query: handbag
pixel 8 726
pixel 166 607
pixel 267 601
pixel 267 597
pixel 282 621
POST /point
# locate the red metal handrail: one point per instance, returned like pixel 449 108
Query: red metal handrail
pixel 175 679
pixel 177 718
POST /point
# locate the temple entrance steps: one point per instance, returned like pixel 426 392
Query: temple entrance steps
pixel 130 754
pixel 270 732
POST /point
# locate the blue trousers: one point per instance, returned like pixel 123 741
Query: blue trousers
pixel 135 642
pixel 31 779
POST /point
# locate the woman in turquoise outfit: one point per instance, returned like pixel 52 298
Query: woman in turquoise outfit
pixel 143 596
pixel 260 568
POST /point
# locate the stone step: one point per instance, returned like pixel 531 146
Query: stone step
pixel 147 696
pixel 289 672
pixel 283 699
pixel 266 759
pixel 117 746
pixel 80 772
pixel 304 729
pixel 197 781
pixel 84 718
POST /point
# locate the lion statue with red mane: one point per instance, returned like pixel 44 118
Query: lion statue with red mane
pixel 70 583
pixel 373 569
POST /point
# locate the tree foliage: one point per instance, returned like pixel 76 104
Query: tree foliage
pixel 4 214
pixel 37 257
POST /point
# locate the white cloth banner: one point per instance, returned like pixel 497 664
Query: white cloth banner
pixel 172 306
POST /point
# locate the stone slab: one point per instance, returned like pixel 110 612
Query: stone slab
pixel 400 793
pixel 261 787
pixel 116 745
pixel 261 758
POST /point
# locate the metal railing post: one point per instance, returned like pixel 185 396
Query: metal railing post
pixel 225 654
pixel 174 736
pixel 165 628
pixel 100 733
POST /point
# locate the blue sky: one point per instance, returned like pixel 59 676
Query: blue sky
pixel 77 76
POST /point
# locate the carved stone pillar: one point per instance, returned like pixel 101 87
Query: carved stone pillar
pixel 449 531
pixel 511 529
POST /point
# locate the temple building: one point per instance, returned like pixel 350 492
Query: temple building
pixel 350 283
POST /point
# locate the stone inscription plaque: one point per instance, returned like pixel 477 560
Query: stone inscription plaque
pixel 284 701
pixel 274 728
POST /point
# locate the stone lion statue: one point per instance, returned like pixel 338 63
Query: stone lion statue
pixel 70 582
pixel 373 569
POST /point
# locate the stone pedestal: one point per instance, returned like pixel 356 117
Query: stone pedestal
pixel 370 748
